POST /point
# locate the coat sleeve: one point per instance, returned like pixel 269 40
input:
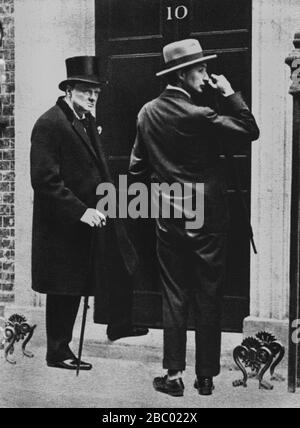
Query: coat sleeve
pixel 46 179
pixel 139 166
pixel 239 123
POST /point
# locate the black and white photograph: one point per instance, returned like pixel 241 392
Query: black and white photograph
pixel 149 206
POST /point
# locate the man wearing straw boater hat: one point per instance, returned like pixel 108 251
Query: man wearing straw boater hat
pixel 68 253
pixel 178 142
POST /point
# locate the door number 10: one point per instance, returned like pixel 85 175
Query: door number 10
pixel 180 12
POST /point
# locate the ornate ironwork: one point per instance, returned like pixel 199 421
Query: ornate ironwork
pixel 259 354
pixel 16 329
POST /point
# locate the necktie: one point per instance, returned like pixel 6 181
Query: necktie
pixel 85 123
pixel 87 126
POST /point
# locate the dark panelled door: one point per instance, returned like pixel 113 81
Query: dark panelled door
pixel 130 35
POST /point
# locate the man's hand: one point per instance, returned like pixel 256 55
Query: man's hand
pixel 221 84
pixel 93 218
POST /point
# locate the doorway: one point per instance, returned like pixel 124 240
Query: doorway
pixel 130 35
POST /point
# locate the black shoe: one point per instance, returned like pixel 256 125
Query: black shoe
pixel 69 365
pixel 172 387
pixel 119 333
pixel 204 385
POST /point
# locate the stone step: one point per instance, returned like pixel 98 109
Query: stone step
pixel 144 349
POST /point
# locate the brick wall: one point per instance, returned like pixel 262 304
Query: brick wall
pixel 7 165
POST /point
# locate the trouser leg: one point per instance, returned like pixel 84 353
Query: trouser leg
pixel 208 350
pixel 174 274
pixel 209 267
pixel 61 312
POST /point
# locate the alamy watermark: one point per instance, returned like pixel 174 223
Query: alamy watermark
pixel 161 200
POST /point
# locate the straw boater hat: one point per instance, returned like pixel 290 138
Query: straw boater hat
pixel 82 69
pixel 183 54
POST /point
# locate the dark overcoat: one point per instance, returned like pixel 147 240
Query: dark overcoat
pixel 179 142
pixel 65 172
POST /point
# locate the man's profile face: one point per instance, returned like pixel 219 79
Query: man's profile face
pixel 84 97
pixel 194 78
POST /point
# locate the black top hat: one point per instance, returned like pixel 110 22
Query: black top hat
pixel 82 69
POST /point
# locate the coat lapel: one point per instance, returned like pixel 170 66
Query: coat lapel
pixel 101 156
pixel 79 129
pixel 77 126
pixel 128 252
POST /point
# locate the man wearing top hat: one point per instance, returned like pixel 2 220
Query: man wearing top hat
pixel 178 142
pixel 68 253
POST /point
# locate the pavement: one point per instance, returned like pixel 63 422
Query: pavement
pixel 122 378
pixel 122 383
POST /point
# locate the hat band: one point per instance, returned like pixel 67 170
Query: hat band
pixel 184 60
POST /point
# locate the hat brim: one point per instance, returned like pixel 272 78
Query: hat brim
pixel 62 86
pixel 186 64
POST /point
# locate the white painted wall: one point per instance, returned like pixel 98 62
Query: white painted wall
pixel 47 32
pixel 274 25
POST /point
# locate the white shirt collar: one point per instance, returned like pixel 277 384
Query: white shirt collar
pixel 176 88
pixel 72 108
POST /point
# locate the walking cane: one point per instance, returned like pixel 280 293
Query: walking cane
pixel 85 305
pixel 83 324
